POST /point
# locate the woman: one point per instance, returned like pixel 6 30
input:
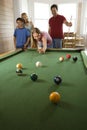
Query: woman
pixel 28 24
pixel 40 40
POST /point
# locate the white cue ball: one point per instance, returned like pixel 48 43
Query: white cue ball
pixel 38 64
pixel 61 58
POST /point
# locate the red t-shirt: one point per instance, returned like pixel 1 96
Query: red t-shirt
pixel 56 25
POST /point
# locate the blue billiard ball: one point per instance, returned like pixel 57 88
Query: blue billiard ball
pixel 57 79
pixel 34 77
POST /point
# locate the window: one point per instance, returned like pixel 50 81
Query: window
pixel 84 24
pixel 24 6
pixel 69 11
pixel 41 15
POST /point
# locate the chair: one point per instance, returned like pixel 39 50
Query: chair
pixel 69 40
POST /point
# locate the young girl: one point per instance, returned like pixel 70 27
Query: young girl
pixel 28 24
pixel 40 40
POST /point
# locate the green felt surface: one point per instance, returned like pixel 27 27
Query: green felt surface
pixel 25 105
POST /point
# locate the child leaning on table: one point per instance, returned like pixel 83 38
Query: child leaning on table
pixel 21 35
pixel 40 40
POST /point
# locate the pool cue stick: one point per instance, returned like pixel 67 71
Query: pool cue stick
pixel 68 31
pixel 69 28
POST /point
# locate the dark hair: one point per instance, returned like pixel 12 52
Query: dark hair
pixel 20 19
pixel 54 6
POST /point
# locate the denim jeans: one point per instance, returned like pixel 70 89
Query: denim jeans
pixel 57 43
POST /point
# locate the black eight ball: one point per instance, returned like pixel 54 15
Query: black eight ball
pixel 75 58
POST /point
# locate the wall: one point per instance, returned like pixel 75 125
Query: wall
pixel 28 7
pixel 8 17
pixel 84 21
pixel 20 6
pixel 6 26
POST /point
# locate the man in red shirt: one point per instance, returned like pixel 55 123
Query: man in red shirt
pixel 56 27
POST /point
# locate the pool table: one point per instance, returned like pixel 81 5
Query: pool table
pixel 25 104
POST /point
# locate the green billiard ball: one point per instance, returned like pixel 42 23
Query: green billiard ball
pixel 57 79
pixel 34 77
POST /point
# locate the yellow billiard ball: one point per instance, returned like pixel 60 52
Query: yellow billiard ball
pixel 19 66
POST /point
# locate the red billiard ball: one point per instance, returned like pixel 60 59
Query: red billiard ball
pixel 68 56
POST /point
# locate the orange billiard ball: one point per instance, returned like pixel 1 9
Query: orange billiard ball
pixel 54 97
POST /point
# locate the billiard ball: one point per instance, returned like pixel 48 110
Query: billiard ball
pixel 54 97
pixel 38 64
pixel 57 79
pixel 19 66
pixel 34 77
pixel 75 58
pixel 19 72
pixel 61 58
pixel 68 56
